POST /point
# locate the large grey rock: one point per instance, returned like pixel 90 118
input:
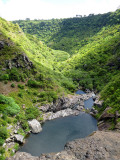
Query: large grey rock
pixel 62 113
pixel 98 102
pixel 19 138
pixel 35 126
pixel 106 114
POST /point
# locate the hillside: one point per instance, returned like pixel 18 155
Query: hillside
pixel 94 43
pixel 53 58
pixel 28 78
pixel 69 34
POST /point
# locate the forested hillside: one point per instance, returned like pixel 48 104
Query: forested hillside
pixel 94 43
pixel 51 59
pixel 69 34
pixel 28 78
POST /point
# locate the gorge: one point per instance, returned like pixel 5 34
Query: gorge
pixel 42 64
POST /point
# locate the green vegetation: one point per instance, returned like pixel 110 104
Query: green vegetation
pixel 69 34
pixel 8 105
pixel 32 73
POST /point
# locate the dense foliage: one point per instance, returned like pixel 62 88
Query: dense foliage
pixel 69 34
pixel 33 74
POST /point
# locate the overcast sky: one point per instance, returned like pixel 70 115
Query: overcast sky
pixel 48 9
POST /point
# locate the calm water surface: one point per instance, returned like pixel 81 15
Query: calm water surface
pixel 57 132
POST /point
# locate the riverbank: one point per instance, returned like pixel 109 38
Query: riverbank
pixel 99 145
pixel 65 106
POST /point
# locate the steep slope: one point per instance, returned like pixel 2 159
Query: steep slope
pixel 97 66
pixel 27 79
pixel 69 34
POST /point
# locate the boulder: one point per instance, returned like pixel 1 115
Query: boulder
pixel 98 103
pixel 35 126
pixel 106 114
pixel 19 138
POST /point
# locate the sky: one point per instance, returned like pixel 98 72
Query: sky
pixel 48 9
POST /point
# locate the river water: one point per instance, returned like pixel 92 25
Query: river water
pixel 56 133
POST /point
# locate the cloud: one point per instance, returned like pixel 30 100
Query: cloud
pixel 47 9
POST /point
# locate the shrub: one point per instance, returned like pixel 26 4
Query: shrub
pixel 32 113
pixel 5 77
pixel 24 124
pixel 2 158
pixel 1 141
pixel 16 146
pixel 14 75
pixel 9 105
pixel 13 85
pixel 3 132
pixel 20 95
pixel 33 84
pixel 2 150
pixel 20 86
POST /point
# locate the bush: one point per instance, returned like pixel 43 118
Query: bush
pixel 48 96
pixel 20 86
pixel 5 77
pixel 16 146
pixel 24 124
pixel 20 95
pixel 32 113
pixel 33 84
pixel 14 75
pixel 3 132
pixel 9 105
pixel 13 85
pixel 2 158
pixel 1 141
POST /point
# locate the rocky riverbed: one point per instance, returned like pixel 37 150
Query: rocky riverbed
pixel 98 146
pixel 65 106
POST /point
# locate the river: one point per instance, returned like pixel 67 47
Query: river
pixel 56 133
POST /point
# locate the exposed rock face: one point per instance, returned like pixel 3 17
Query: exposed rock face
pixel 72 102
pixel 62 113
pixel 35 126
pixel 66 106
pixel 18 138
pixel 99 146
pixel 106 114
pixel 98 103
pixel 20 61
pixel 23 156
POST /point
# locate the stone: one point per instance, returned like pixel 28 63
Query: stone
pixel 35 126
pixel 15 131
pixel 98 103
pixel 106 114
pixel 18 138
pixel 62 113
pixel 93 110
